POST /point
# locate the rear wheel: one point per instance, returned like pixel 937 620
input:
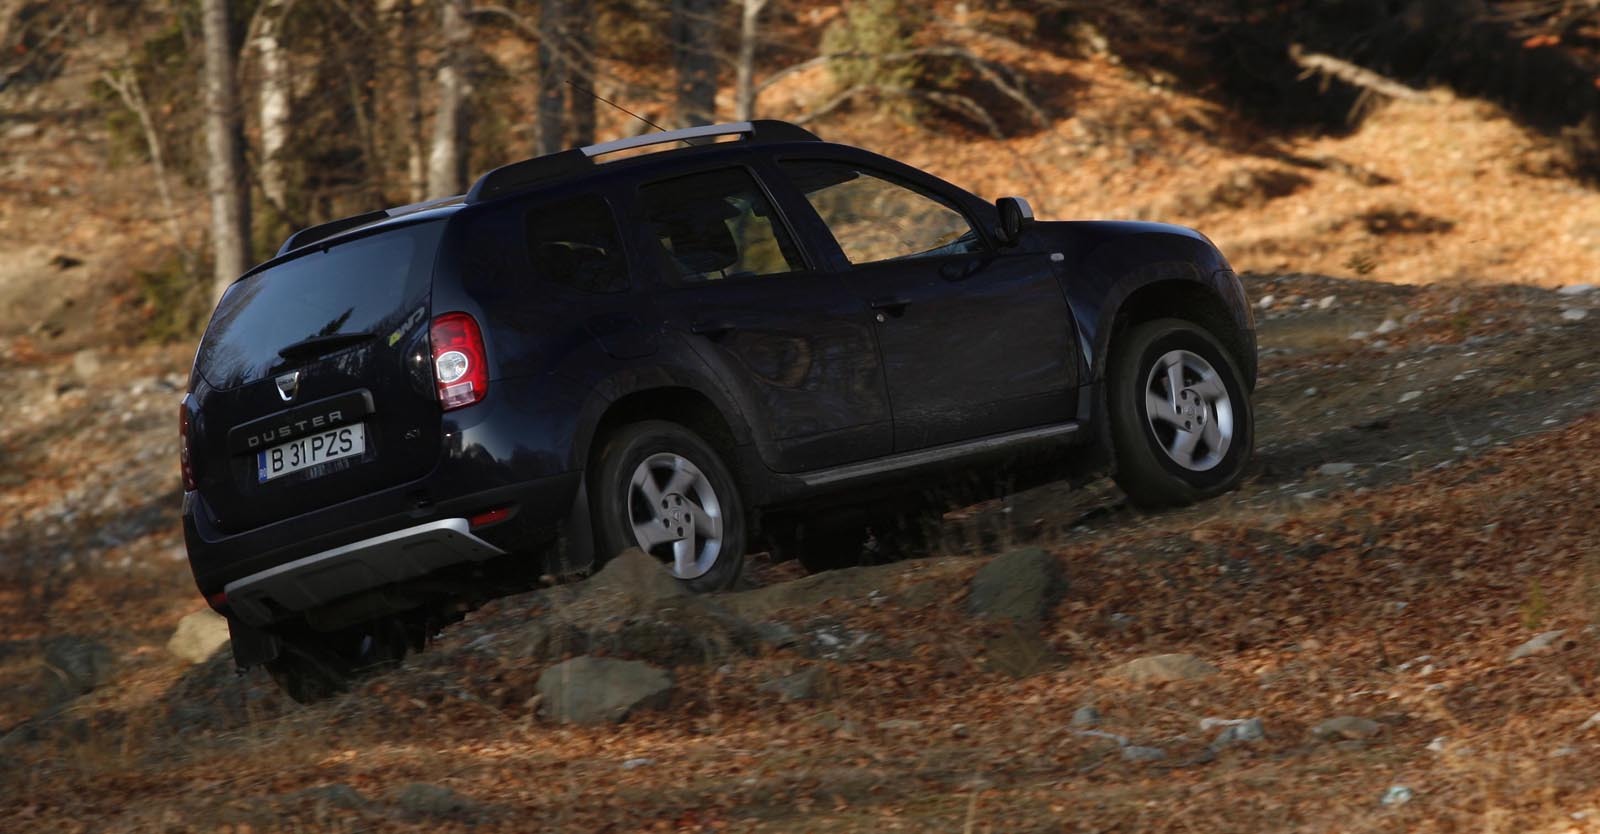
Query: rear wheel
pixel 658 487
pixel 1181 423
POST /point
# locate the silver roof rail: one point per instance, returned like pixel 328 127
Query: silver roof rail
pixel 683 134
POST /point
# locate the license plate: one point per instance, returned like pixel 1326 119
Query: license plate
pixel 309 451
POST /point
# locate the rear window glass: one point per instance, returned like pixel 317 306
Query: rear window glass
pixel 371 285
pixel 574 243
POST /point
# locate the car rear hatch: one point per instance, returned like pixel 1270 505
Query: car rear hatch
pixel 315 383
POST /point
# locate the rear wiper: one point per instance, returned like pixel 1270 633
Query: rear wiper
pixel 313 346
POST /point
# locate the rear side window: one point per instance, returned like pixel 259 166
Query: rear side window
pixel 575 243
pixel 716 225
pixel 877 219
pixel 370 286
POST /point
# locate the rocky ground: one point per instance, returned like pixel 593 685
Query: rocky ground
pixel 1392 626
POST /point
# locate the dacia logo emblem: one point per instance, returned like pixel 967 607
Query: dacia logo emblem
pixel 289 385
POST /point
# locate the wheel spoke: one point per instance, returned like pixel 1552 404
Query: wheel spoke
pixel 1160 408
pixel 1210 388
pixel 1183 446
pixel 645 481
pixel 707 526
pixel 683 478
pixel 1212 435
pixel 684 552
pixel 1174 381
pixel 650 533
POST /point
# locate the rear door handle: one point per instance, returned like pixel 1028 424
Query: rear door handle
pixel 892 306
pixel 712 329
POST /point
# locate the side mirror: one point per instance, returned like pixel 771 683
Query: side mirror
pixel 1015 216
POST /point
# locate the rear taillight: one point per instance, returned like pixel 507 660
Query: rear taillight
pixel 183 447
pixel 460 364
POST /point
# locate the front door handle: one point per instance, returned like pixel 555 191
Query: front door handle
pixel 893 306
pixel 712 329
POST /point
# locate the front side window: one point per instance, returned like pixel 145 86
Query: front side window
pixel 874 219
pixel 574 243
pixel 716 225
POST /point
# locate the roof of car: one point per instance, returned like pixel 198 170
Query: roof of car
pixel 519 177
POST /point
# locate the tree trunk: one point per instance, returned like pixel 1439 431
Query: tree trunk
pixel 416 154
pixel 745 84
pixel 225 175
pixel 580 68
pixel 274 101
pixel 552 76
pixel 694 32
pixel 447 157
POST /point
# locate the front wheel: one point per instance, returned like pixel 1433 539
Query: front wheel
pixel 1181 423
pixel 659 487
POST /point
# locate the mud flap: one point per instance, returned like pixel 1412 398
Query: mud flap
pixel 252 646
pixel 574 551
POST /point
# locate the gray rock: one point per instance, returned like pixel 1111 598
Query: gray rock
pixel 1020 650
pixel 1538 645
pixel 199 636
pixel 1135 753
pixel 777 635
pixel 1574 314
pixel 1409 396
pixel 1165 668
pixel 1336 469
pixel 693 630
pixel 85 363
pixel 808 684
pixel 420 799
pixel 74 666
pixel 337 795
pixel 635 764
pixel 1359 335
pixel 1575 289
pixel 1019 584
pixel 1388 326
pixel 1398 795
pixel 1086 716
pixel 1266 301
pixel 597 690
pixel 1348 728
pixel 1247 731
pixel 637 576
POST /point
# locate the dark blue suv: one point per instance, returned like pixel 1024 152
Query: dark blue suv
pixel 757 341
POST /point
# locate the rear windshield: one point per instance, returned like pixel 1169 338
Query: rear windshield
pixel 370 285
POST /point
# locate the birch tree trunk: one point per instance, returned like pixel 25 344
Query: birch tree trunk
pixel 744 83
pixel 225 175
pixel 447 157
pixel 694 56
pixel 274 101
pixel 552 76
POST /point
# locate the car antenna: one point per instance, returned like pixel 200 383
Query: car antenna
pixel 598 97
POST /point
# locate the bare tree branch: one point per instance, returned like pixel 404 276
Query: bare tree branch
pixel 1327 65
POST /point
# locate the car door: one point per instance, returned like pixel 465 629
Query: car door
pixel 975 341
pixel 791 342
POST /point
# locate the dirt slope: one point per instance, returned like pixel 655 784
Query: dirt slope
pixel 1392 589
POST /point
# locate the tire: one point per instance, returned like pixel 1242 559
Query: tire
pixel 1171 448
pixel 819 548
pixel 702 521
pixel 318 666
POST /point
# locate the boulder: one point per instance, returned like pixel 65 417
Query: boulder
pixel 1347 727
pixel 637 576
pixel 1086 716
pixel 1019 584
pixel 74 666
pixel 422 800
pixel 597 690
pixel 1538 645
pixel 1166 668
pixel 199 636
pixel 805 685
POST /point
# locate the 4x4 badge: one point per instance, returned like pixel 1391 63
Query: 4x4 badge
pixel 288 385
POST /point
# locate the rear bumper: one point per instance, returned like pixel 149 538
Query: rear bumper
pixel 320 578
pixel 367 543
